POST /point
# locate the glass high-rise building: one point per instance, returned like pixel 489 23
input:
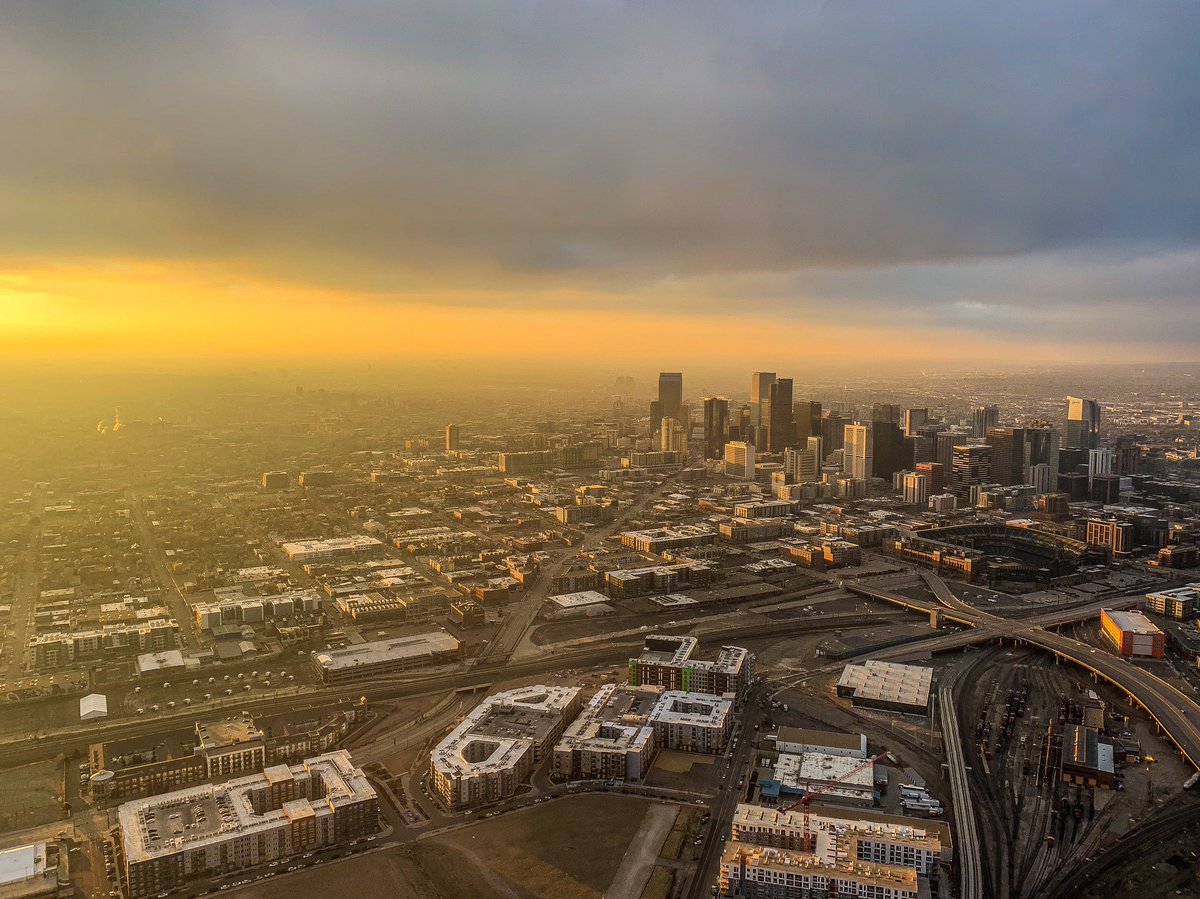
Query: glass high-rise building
pixel 781 432
pixel 670 395
pixel 1083 423
pixel 982 418
pixel 760 385
pixel 716 426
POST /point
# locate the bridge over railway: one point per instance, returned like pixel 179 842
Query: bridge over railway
pixel 1176 714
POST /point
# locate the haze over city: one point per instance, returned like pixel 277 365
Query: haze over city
pixel 599 451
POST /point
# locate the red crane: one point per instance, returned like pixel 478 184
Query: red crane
pixel 810 795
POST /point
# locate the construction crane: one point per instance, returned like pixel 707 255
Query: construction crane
pixel 809 795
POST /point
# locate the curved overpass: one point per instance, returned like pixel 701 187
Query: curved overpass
pixel 1176 714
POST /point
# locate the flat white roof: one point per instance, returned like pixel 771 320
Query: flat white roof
pixel 433 643
pixel 22 863
pixel 582 598
pixel 1133 622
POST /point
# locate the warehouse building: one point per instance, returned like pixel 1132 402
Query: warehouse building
pixel 798 740
pixel 381 657
pixel 212 830
pixel 888 686
pixel 496 747
pixel 30 871
pixel 1086 759
pixel 1133 634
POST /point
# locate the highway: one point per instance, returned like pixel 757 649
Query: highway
pixel 1176 714
pixel 965 824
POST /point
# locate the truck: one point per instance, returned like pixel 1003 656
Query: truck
pixel 908 791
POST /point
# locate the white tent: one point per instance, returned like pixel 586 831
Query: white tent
pixel 92 706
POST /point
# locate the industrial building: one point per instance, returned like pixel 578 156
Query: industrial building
pixel 367 660
pixel 889 686
pixel 1086 759
pixel 798 740
pixel 1132 633
pixel 494 749
pixel 217 829
pixel 833 775
pixel 666 661
pixel 30 871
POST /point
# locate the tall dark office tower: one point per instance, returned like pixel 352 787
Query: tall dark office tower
pixel 1008 455
pixel 807 416
pixel 890 451
pixel 760 385
pixel 971 466
pixel 1128 452
pixel 656 416
pixel 716 426
pixel 889 412
pixel 670 394
pixel 936 474
pixel 781 433
pixel 452 437
pixel 946 440
pixel 925 443
pixel 982 418
pixel 833 431
pixel 912 419
pixel 1083 423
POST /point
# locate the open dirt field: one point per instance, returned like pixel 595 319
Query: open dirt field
pixel 681 762
pixel 390 874
pixel 567 849
pixel 29 795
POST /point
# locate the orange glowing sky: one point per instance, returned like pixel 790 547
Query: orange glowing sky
pixel 776 183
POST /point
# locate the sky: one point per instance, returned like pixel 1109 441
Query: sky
pixel 840 182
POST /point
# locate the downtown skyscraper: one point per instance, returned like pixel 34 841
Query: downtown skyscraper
pixel 1083 423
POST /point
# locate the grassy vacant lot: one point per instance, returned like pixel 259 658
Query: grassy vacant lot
pixel 566 849
pixel 681 833
pixel 661 882
pixel 29 795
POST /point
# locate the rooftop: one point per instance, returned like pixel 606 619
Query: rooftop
pixel 1132 622
pixel 161 825
pixel 227 732
pixel 430 644
pixel 501 729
